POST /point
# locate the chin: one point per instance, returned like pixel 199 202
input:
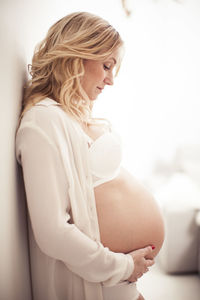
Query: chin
pixel 93 98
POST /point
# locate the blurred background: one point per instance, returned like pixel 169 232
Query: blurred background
pixel 154 105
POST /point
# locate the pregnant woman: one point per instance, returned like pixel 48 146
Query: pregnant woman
pixel 93 229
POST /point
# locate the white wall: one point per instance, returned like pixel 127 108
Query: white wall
pixel 14 265
pixel 156 96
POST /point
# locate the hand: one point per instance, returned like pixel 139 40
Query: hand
pixel 141 297
pixel 141 263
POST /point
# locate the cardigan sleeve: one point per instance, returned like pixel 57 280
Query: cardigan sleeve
pixel 48 204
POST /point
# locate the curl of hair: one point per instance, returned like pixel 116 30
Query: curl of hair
pixel 57 64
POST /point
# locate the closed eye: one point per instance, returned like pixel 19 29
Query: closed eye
pixel 106 67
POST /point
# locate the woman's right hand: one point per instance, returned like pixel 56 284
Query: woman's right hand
pixel 141 262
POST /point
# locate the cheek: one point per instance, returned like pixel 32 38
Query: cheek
pixel 94 76
pixel 99 75
pixel 96 72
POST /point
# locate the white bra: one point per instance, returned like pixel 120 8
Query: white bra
pixel 105 155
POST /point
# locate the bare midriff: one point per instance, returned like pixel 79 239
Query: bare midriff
pixel 129 217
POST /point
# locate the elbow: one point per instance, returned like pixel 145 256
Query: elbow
pixel 47 240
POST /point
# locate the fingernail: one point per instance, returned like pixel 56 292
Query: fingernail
pixel 153 247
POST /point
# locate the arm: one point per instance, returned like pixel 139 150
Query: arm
pixel 48 204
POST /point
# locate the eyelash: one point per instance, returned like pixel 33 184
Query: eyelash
pixel 106 68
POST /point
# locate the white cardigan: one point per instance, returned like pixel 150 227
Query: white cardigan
pixel 68 261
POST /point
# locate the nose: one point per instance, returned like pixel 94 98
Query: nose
pixel 109 79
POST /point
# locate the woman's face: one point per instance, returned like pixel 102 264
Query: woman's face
pixel 98 74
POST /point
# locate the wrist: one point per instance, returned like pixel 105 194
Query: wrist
pixel 130 267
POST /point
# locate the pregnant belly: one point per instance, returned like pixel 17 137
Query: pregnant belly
pixel 129 218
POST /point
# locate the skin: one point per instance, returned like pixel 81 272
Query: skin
pixel 97 75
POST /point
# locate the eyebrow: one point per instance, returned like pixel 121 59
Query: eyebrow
pixel 114 60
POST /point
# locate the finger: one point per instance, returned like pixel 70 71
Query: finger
pixel 133 279
pixel 147 250
pixel 144 251
pixel 149 262
pixel 139 275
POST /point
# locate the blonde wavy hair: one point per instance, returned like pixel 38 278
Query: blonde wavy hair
pixel 57 64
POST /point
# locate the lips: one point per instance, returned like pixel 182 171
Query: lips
pixel 101 89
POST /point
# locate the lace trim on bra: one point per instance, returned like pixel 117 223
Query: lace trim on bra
pixel 98 148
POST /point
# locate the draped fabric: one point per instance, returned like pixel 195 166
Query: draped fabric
pixel 68 261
